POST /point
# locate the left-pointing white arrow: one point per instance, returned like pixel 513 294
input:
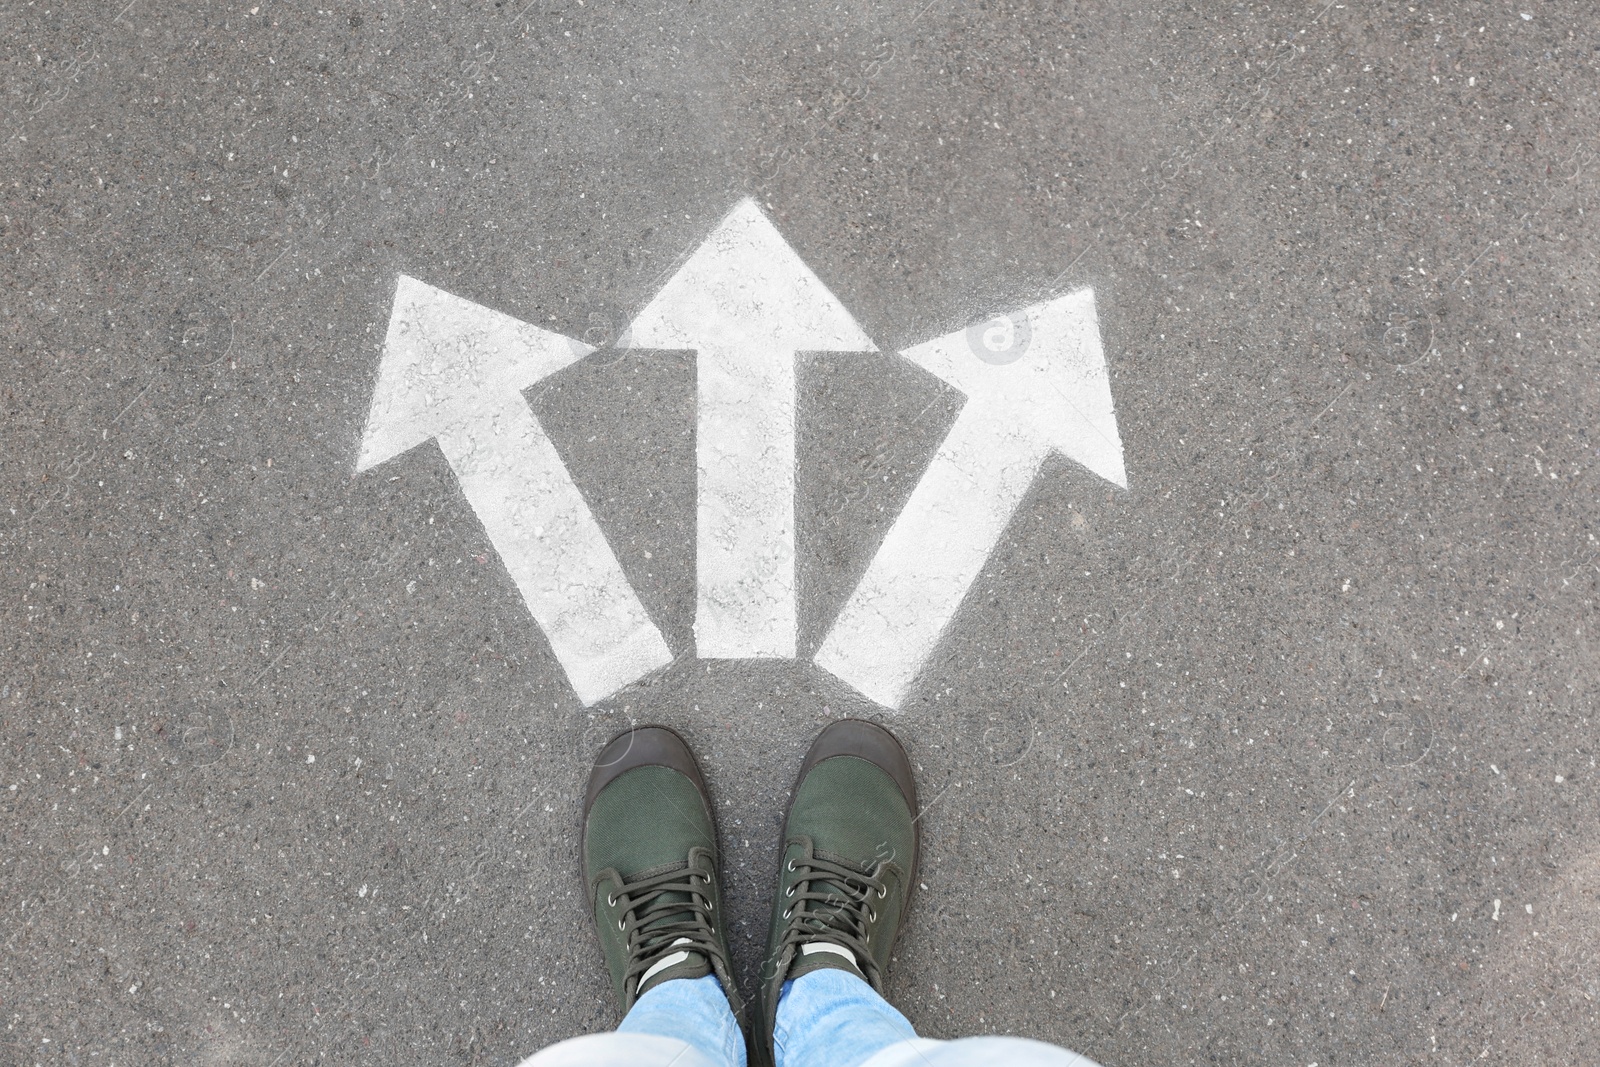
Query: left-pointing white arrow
pixel 746 303
pixel 455 371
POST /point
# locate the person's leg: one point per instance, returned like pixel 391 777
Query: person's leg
pixel 685 1022
pixel 848 866
pixel 846 873
pixel 831 1017
pixel 693 1010
pixel 651 873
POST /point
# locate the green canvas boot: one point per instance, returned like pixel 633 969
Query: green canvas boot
pixel 849 863
pixel 650 866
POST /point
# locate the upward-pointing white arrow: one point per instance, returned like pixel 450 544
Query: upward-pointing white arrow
pixel 746 303
pixel 1055 398
pixel 455 370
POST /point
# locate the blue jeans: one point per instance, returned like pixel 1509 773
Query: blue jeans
pixel 828 1018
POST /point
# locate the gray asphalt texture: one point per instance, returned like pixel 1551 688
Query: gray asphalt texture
pixel 1284 755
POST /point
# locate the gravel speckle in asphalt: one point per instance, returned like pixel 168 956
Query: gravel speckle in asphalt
pixel 1284 754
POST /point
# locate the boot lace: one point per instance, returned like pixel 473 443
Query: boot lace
pixel 666 913
pixel 833 902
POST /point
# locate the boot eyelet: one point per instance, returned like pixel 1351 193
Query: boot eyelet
pixel 788 911
pixel 883 891
pixel 620 926
pixel 611 901
pixel 789 892
pixel 872 916
pixel 790 865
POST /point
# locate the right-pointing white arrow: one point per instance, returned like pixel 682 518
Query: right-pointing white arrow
pixel 746 303
pixel 1055 396
pixel 455 370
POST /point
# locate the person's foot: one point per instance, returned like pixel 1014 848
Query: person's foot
pixel 849 863
pixel 650 865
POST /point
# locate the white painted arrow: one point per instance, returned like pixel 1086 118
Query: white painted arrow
pixel 746 303
pixel 455 371
pixel 1055 398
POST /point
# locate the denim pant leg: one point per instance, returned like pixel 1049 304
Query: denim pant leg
pixel 831 1018
pixel 685 1022
pixel 693 1010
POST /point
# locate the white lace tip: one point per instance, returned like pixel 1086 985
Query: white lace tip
pixel 827 946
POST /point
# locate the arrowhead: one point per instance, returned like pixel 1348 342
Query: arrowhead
pixel 1055 392
pixel 744 289
pixel 446 360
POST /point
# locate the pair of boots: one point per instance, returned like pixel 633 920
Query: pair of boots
pixel 650 866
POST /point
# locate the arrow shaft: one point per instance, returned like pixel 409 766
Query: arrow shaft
pixel 934 551
pixel 549 541
pixel 745 442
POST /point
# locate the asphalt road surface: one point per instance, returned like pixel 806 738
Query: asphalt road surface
pixel 1282 753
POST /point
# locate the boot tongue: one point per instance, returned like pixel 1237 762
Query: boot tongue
pixel 825 883
pixel 822 954
pixel 668 897
pixel 677 962
pixel 844 898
